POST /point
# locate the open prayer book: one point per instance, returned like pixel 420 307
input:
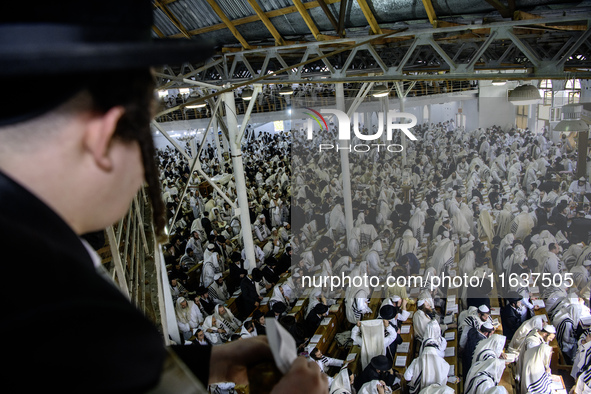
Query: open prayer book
pixel 450 352
pixel 404 347
pixel 400 361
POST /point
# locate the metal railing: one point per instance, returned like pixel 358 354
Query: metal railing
pixel 131 258
pixel 272 101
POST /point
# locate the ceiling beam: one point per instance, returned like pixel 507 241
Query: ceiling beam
pixel 430 12
pixel 371 19
pixel 502 8
pixel 172 18
pixel 342 12
pixel 220 13
pixel 267 22
pixel 255 18
pixel 330 16
pixel 307 18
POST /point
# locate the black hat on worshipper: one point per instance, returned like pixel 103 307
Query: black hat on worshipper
pixel 319 308
pixel 387 312
pixel 381 363
pixel 201 290
pixel 56 38
pixel 279 307
pixel 513 297
pixel 47 42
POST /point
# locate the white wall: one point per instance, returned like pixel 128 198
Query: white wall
pixel 493 107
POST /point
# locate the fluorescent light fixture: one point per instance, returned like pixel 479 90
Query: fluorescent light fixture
pixel 524 95
pixel 380 91
pixel 499 83
pixel 286 90
pixel 195 106
pixel 571 126
pixel 246 94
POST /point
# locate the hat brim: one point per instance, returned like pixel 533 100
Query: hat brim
pixel 63 58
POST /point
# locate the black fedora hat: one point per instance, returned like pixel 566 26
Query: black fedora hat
pixel 387 312
pixel 381 363
pixel 41 37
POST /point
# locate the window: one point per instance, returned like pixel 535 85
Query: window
pixel 522 116
pixel 546 91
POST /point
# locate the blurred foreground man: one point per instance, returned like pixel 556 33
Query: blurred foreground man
pixel 75 147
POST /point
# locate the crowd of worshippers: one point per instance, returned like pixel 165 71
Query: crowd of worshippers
pixel 514 188
pixel 206 259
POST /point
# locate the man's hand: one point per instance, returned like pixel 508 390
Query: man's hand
pixel 303 377
pixel 229 362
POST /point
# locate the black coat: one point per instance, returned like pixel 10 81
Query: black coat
pixel 474 336
pixel 369 374
pixel 104 343
pixel 511 320
pixel 249 294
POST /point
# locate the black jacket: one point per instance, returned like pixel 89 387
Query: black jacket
pixel 249 294
pixel 369 374
pixel 104 343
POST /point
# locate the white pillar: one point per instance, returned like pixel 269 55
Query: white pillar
pixel 238 171
pixel 346 174
pixel 216 140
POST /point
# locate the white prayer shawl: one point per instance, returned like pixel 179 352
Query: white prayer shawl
pixel 468 215
pixel 443 256
pixel 245 334
pixel 214 337
pixel 409 244
pixel 462 322
pixel 187 318
pixel 374 264
pixel 341 383
pixel 372 388
pixel 468 263
pixel 535 323
pixel 582 359
pixel 484 375
pixel 522 225
pixel 506 243
pixel 437 389
pixel 372 336
pixel 534 378
pixel 278 295
pixel 491 347
pixel 460 224
pixel 485 225
pixel 420 320
pixel 417 223
pixel 583 385
pixel 427 369
pixel 208 272
pixel 432 338
pixel 356 297
pixel 504 220
pixel 566 321
pixel 337 219
pixel 219 293
pixel 228 321
pixel 518 257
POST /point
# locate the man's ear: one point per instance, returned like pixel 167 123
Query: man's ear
pixel 98 136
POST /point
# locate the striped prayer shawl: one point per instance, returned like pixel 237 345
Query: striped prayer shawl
pixel 541 386
pixel 473 386
pixel 562 326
